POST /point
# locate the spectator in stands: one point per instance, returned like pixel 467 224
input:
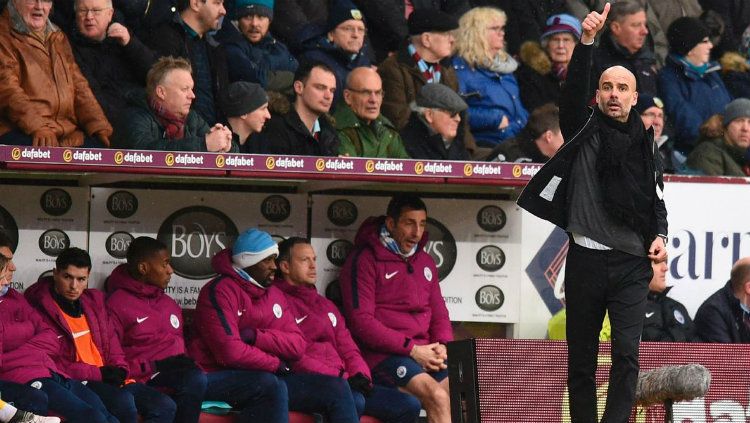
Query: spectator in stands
pixel 421 60
pixel 362 130
pixel 544 68
pixel 624 43
pixel 666 318
pixel 342 46
pixel 725 315
pixel 149 325
pixel 485 77
pixel 651 110
pixel 189 35
pixel 736 17
pixel 29 376
pixel 163 119
pixel 90 349
pixel 330 348
pixel 394 307
pixel 537 142
pixel 690 84
pixel 388 20
pixel 306 128
pixel 247 325
pixel 292 15
pixel 246 107
pixel 735 73
pixel 434 130
pixel 114 62
pixel 253 54
pixel 45 98
pixel 725 155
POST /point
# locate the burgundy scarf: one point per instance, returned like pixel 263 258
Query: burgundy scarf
pixel 174 126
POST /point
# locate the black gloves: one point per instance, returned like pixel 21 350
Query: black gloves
pixel 178 362
pixel 283 369
pixel 248 335
pixel 113 375
pixel 361 383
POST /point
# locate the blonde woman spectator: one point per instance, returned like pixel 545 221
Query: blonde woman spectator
pixel 485 77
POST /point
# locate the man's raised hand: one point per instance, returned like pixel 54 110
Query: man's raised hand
pixel 593 23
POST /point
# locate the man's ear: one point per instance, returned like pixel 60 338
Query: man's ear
pixel 142 268
pixel 428 116
pixel 160 92
pixel 298 87
pixel 390 224
pixel 635 98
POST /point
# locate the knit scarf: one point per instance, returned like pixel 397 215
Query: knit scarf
pixel 174 126
pixel 391 245
pixel 431 72
pixel 503 64
pixel 626 171
pixel 560 70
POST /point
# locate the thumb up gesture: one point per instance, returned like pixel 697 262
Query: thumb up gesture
pixel 593 23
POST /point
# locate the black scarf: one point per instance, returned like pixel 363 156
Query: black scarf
pixel 626 170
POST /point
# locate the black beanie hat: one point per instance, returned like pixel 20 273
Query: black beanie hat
pixel 684 34
pixel 342 11
pixel 242 97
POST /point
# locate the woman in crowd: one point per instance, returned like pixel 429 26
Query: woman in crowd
pixel 485 76
pixel 544 67
pixel 690 84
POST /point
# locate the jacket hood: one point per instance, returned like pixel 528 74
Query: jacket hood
pixel 533 56
pixel 369 235
pixel 121 279
pixel 222 264
pixel 733 62
pixel 302 291
pixel 39 290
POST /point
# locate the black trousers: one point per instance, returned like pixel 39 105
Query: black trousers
pixel 598 281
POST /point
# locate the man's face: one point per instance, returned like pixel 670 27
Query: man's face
pixel 616 94
pixel 71 281
pixel 443 122
pixel 262 271
pixel 738 133
pixel 631 31
pixel 365 95
pixel 210 14
pixel 300 269
pixel 10 268
pixel 256 119
pixel 176 92
pixel 407 231
pixel 349 35
pixel 659 281
pixel 440 44
pixel 316 94
pixel 560 47
pixel 254 27
pixel 157 270
pixel 654 117
pixel 93 18
pixel 34 12
pixel 549 142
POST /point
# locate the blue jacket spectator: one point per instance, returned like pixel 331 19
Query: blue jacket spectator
pixel 253 54
pixel 342 46
pixel 723 316
pixel 485 77
pixel 690 84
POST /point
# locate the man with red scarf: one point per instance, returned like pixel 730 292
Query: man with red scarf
pixel 164 121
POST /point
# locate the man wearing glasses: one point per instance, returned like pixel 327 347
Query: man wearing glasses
pixel 363 131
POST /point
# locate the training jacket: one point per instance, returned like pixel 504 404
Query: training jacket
pixel 147 321
pixel 104 336
pixel 227 305
pixel 391 304
pixel 330 348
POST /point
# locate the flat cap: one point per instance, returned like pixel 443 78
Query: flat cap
pixel 439 96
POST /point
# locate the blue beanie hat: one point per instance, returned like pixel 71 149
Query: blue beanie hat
pixel 253 246
pixel 254 7
pixel 342 11
pixel 563 23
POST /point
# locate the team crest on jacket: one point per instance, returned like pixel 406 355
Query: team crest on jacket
pixel 37 385
pixel 428 274
pixel 277 311
pixel 332 317
pixel 174 321
pixel 679 317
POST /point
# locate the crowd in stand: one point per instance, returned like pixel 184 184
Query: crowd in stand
pixel 357 77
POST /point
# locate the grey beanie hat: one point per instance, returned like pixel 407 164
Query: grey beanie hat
pixel 439 96
pixel 242 97
pixel 736 109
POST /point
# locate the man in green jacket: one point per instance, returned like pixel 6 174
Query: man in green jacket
pixel 363 131
pixel 725 156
